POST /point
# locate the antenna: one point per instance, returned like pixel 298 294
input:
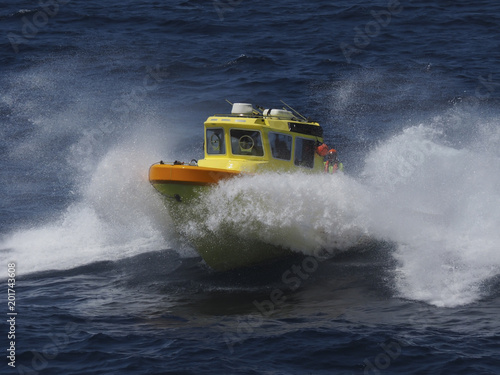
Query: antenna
pixel 259 110
pixel 229 102
pixel 293 110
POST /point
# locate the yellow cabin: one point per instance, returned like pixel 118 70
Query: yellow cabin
pixel 245 141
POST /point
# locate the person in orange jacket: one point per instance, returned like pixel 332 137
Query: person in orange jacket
pixel 331 162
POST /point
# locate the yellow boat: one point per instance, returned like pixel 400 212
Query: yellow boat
pixel 246 141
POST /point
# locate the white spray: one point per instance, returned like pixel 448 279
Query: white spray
pixel 438 201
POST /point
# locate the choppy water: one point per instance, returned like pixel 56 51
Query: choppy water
pixel 397 261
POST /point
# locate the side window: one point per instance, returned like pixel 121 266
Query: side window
pixel 215 142
pixel 246 142
pixel 281 146
pixel 304 152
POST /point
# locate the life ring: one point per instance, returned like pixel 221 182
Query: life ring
pixel 215 142
pixel 246 143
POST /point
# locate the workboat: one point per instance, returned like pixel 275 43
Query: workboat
pixel 246 141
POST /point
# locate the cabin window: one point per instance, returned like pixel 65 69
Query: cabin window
pixel 215 142
pixel 246 142
pixel 304 152
pixel 281 146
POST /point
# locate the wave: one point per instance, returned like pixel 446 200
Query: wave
pixel 440 204
pixel 432 189
pixel 117 216
pixel 437 203
pixel 69 138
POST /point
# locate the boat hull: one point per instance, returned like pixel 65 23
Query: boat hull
pixel 227 251
pixel 182 183
pixel 224 249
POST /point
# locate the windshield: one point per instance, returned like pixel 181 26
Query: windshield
pixel 246 142
pixel 215 142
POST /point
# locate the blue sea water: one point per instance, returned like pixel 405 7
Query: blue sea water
pixel 397 261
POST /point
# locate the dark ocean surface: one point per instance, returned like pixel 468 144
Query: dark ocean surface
pixel 397 266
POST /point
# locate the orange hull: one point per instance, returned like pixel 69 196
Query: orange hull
pixel 188 175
